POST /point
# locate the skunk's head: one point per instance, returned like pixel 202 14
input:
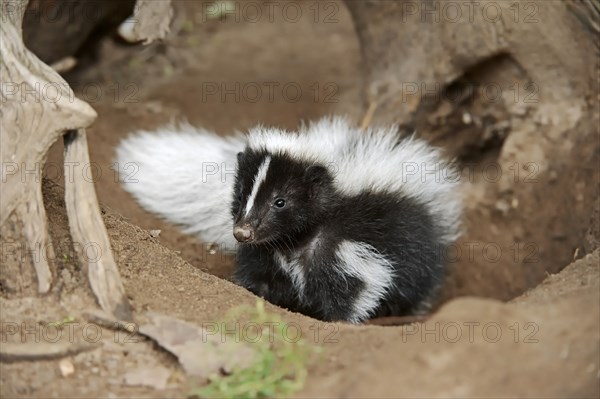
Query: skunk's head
pixel 277 198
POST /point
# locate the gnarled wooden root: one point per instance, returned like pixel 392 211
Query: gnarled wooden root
pixel 87 229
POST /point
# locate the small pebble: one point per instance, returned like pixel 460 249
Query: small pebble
pixel 466 118
pixel 66 367
pixel 502 206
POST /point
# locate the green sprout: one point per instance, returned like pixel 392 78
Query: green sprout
pixel 279 368
pixel 61 323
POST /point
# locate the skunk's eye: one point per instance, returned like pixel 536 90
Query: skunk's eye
pixel 279 203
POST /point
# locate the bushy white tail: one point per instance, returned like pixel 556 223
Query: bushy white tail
pixel 185 175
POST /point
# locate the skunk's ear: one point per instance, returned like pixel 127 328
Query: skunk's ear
pixel 317 177
pixel 316 174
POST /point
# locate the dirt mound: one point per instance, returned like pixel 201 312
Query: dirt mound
pixel 542 344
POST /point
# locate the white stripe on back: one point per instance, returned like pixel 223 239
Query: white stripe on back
pixel 294 270
pixel 363 261
pixel 258 180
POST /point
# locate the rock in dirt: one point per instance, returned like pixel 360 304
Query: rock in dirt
pixel 153 377
pixel 66 367
pixel 200 351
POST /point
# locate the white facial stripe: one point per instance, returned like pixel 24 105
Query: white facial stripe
pixel 258 180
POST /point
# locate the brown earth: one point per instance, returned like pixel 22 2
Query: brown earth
pixel 507 341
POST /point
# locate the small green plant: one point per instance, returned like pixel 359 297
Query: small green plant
pixel 61 323
pixel 279 368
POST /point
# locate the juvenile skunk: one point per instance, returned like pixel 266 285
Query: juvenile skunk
pixel 334 222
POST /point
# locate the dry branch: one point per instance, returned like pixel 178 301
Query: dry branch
pixel 18 352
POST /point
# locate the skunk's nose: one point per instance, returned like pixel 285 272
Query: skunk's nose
pixel 243 233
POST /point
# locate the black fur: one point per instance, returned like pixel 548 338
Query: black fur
pixel 399 228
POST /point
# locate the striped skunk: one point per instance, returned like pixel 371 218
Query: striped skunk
pixel 333 222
